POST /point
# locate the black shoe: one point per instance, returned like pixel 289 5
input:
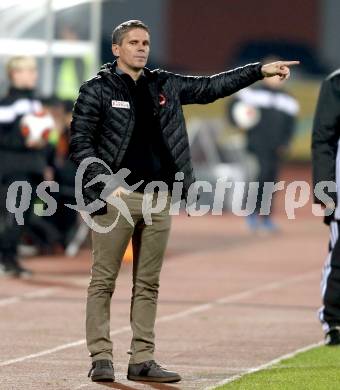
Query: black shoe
pixel 5 270
pixel 102 371
pixel 332 337
pixel 19 271
pixel 150 371
pixel 13 266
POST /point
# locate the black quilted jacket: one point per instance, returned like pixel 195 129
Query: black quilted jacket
pixel 325 144
pixel 100 130
pixel 326 134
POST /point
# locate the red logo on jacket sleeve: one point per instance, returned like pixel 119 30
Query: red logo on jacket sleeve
pixel 162 99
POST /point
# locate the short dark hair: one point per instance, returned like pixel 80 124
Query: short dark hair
pixel 119 32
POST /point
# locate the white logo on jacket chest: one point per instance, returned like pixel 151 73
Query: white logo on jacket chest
pixel 120 104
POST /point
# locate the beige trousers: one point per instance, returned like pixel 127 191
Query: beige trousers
pixel 149 243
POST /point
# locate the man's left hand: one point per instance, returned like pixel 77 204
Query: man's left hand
pixel 278 68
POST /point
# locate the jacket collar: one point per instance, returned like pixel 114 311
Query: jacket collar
pixel 111 68
pixel 21 92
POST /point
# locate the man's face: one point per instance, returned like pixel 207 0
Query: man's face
pixel 134 49
pixel 25 77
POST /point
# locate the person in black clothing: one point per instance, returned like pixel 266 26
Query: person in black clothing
pixel 326 168
pixel 269 129
pixel 18 161
pixel 131 117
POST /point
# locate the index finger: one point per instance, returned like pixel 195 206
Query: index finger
pixel 290 63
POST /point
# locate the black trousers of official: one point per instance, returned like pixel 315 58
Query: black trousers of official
pixel 329 313
pixel 10 230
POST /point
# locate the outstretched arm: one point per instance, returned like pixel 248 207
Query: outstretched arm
pixel 206 89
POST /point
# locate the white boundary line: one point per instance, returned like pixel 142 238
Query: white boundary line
pixel 181 314
pixel 238 296
pixel 44 292
pixel 57 349
pixel 264 366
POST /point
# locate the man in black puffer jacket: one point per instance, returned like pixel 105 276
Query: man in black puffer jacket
pixel 130 117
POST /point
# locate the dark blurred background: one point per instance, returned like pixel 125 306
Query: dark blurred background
pixel 192 36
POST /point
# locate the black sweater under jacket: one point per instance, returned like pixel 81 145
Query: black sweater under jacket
pixel 146 156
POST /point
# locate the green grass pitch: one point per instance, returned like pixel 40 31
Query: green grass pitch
pixel 316 369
